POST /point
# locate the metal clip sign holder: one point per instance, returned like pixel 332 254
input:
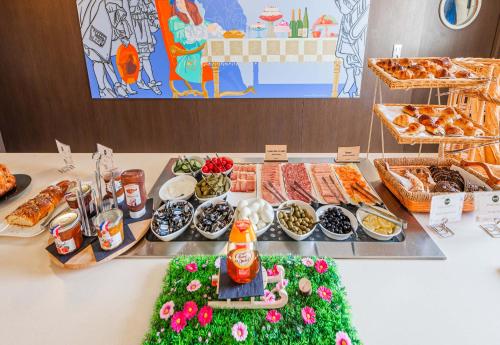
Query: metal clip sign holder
pixel 442 229
pixel 492 229
pixel 65 152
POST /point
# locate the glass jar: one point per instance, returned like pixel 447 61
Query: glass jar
pixel 116 175
pixel 243 261
pixel 133 182
pixel 87 198
pixel 67 232
pixel 109 226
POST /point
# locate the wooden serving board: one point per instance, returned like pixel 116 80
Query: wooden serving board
pixel 86 258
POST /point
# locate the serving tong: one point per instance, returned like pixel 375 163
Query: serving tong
pixel 390 217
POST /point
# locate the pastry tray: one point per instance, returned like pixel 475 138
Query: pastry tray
pixel 388 112
pixel 394 83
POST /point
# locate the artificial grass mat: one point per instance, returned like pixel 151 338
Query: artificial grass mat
pixel 331 317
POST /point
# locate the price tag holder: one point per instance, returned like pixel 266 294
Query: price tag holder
pixel 106 156
pixel 446 208
pixel 488 211
pixel 276 153
pixel 348 155
pixel 65 152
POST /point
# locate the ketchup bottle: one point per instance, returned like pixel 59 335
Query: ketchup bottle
pixel 243 261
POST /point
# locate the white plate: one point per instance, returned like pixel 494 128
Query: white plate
pixel 308 209
pixel 199 159
pixel 210 235
pixel 360 215
pixel 332 235
pixel 235 197
pixel 178 232
pixel 165 194
pixel 258 232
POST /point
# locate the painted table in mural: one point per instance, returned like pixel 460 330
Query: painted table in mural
pixel 271 50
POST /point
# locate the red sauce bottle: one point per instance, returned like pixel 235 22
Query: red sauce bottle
pixel 133 182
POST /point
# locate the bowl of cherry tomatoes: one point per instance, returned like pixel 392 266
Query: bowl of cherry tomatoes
pixel 217 165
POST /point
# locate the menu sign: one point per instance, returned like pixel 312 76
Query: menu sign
pixel 348 154
pixel 65 152
pixel 277 153
pixel 106 156
pixel 446 208
pixel 487 206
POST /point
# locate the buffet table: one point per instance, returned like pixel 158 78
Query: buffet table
pixel 453 301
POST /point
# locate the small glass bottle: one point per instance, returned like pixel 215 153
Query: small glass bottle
pixel 243 261
pixel 133 182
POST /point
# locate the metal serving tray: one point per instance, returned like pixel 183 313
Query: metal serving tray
pixel 414 244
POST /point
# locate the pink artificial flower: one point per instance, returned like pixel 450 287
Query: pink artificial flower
pixel 341 338
pixel 324 293
pixel 308 262
pixel 273 316
pixel 268 296
pixel 308 315
pixel 192 267
pixel 273 271
pixel 205 315
pixel 239 331
pixel 217 263
pixel 178 321
pixel 321 266
pixel 167 310
pixel 190 310
pixel 282 284
pixel 193 286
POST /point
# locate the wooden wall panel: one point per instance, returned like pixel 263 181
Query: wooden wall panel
pixel 45 92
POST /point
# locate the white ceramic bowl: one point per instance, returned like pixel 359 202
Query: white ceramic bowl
pixel 332 235
pixel 360 215
pixel 258 232
pixel 194 173
pixel 222 196
pixel 178 232
pixel 211 235
pixel 309 211
pixel 227 172
pixel 187 179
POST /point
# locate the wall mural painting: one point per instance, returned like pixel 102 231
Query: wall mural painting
pixel 224 48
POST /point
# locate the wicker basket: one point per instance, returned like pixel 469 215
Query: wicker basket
pixel 418 202
pixel 394 83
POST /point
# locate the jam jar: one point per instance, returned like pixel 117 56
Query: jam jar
pixel 67 232
pixel 87 198
pixel 109 226
pixel 115 175
pixel 133 182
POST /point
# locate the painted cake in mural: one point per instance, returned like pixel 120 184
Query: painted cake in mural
pixel 224 48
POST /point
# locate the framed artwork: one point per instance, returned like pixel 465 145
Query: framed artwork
pixel 224 48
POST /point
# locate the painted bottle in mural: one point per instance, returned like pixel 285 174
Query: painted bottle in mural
pixel 293 25
pixel 300 26
pixel 305 30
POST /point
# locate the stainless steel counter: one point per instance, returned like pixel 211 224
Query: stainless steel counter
pixel 416 245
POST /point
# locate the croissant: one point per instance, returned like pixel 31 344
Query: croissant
pixel 463 123
pixel 402 120
pixel 423 75
pixel 385 63
pixel 448 111
pixel 7 180
pixel 442 73
pixel 453 130
pixel 426 110
pixel 435 129
pixel 416 68
pixel 410 110
pixel 414 128
pixel 444 120
pixel 403 74
pixel 425 120
pixel 425 63
pixel 462 74
pixel 473 132
pixel 443 62
pixel 405 62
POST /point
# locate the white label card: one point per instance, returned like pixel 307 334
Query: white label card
pixel 106 156
pixel 276 153
pixel 487 206
pixel 446 208
pixel 65 152
pixel 348 154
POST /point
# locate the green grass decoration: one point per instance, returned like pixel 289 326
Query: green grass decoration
pixel 331 317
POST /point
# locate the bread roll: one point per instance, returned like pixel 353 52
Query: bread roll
pixel 463 123
pixel 425 120
pixel 473 132
pixel 414 128
pixel 434 129
pixel 410 110
pixel 426 110
pixel 453 130
pixel 402 120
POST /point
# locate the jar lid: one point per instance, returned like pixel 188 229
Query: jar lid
pixel 66 221
pixel 85 189
pixel 113 216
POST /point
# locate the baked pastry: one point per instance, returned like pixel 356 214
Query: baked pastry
pixel 7 180
pixel 442 73
pixel 405 62
pixel 425 120
pixel 444 120
pixel 402 120
pixel 423 75
pixel 462 74
pixel 32 211
pixel 426 110
pixel 463 123
pixel 416 184
pixel 403 74
pixel 410 110
pixel 448 111
pixel 443 62
pixel 385 63
pixel 395 67
pixel 414 128
pixel 453 130
pixel 435 129
pixel 425 63
pixel 473 132
pixel 447 180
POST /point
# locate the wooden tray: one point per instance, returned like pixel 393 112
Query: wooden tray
pixel 418 202
pixel 394 83
pixel 86 258
pixel 384 113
